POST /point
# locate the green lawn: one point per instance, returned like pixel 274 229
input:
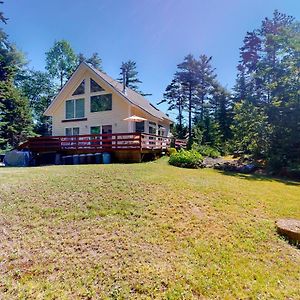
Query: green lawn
pixel 144 231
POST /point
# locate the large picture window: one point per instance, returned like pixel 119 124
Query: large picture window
pixel 75 109
pixel 101 103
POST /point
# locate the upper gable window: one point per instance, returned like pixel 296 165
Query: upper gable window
pixel 80 89
pixel 95 87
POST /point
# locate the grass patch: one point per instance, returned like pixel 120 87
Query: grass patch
pixel 144 231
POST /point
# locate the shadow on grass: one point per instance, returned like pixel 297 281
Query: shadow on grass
pixel 259 177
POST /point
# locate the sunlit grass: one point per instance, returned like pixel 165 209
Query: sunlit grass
pixel 144 231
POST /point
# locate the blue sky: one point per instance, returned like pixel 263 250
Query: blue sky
pixel 157 34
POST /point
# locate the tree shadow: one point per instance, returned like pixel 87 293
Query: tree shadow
pixel 260 177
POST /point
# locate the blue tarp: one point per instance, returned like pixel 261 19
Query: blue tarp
pixel 17 158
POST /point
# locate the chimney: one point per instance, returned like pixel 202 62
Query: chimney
pixel 124 83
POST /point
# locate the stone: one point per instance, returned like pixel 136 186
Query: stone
pixel 290 228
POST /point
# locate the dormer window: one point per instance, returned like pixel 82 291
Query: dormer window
pixel 95 87
pixel 80 89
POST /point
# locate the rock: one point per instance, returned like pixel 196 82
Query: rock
pixel 249 168
pixel 290 228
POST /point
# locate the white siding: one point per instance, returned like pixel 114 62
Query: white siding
pixel 115 117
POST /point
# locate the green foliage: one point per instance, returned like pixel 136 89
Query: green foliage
pixel 172 151
pixel 186 159
pixel 61 61
pixel 40 90
pixel 268 79
pixel 16 116
pixel 174 97
pixel 195 94
pixel 251 130
pixel 15 113
pixel 206 150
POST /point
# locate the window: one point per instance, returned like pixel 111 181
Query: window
pixel 75 109
pixel 161 130
pixel 72 131
pixel 101 103
pixel 152 128
pixel 95 87
pixel 95 130
pixel 140 126
pixel 80 89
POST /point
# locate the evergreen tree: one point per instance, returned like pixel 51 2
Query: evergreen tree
pixel 61 61
pixel 15 114
pixel 94 60
pixel 221 107
pixel 130 74
pixel 251 130
pixel 2 18
pixel 187 75
pixel 269 79
pixel 174 97
pixel 206 76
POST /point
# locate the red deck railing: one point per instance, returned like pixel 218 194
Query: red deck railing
pixel 97 143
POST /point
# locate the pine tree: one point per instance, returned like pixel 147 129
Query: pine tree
pixel 16 118
pixel 94 60
pixel 206 77
pixel 174 97
pixel 130 74
pixel 221 106
pixel 187 75
pixel 2 18
pixel 251 130
pixel 16 115
pixel 269 79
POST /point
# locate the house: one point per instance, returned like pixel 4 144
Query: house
pixel 94 113
pixel 91 102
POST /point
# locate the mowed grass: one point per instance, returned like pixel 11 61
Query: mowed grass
pixel 144 231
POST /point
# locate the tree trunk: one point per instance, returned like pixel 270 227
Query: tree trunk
pixel 61 80
pixel 190 118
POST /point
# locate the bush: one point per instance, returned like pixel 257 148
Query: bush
pixel 171 151
pixel 206 150
pixel 186 159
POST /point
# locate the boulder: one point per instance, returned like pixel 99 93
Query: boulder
pixel 290 228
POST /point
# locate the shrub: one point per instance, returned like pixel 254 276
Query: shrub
pixel 186 159
pixel 171 151
pixel 206 150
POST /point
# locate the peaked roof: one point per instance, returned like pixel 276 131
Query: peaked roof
pixel 130 95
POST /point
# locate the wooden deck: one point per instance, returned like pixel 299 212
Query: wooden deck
pixel 126 145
